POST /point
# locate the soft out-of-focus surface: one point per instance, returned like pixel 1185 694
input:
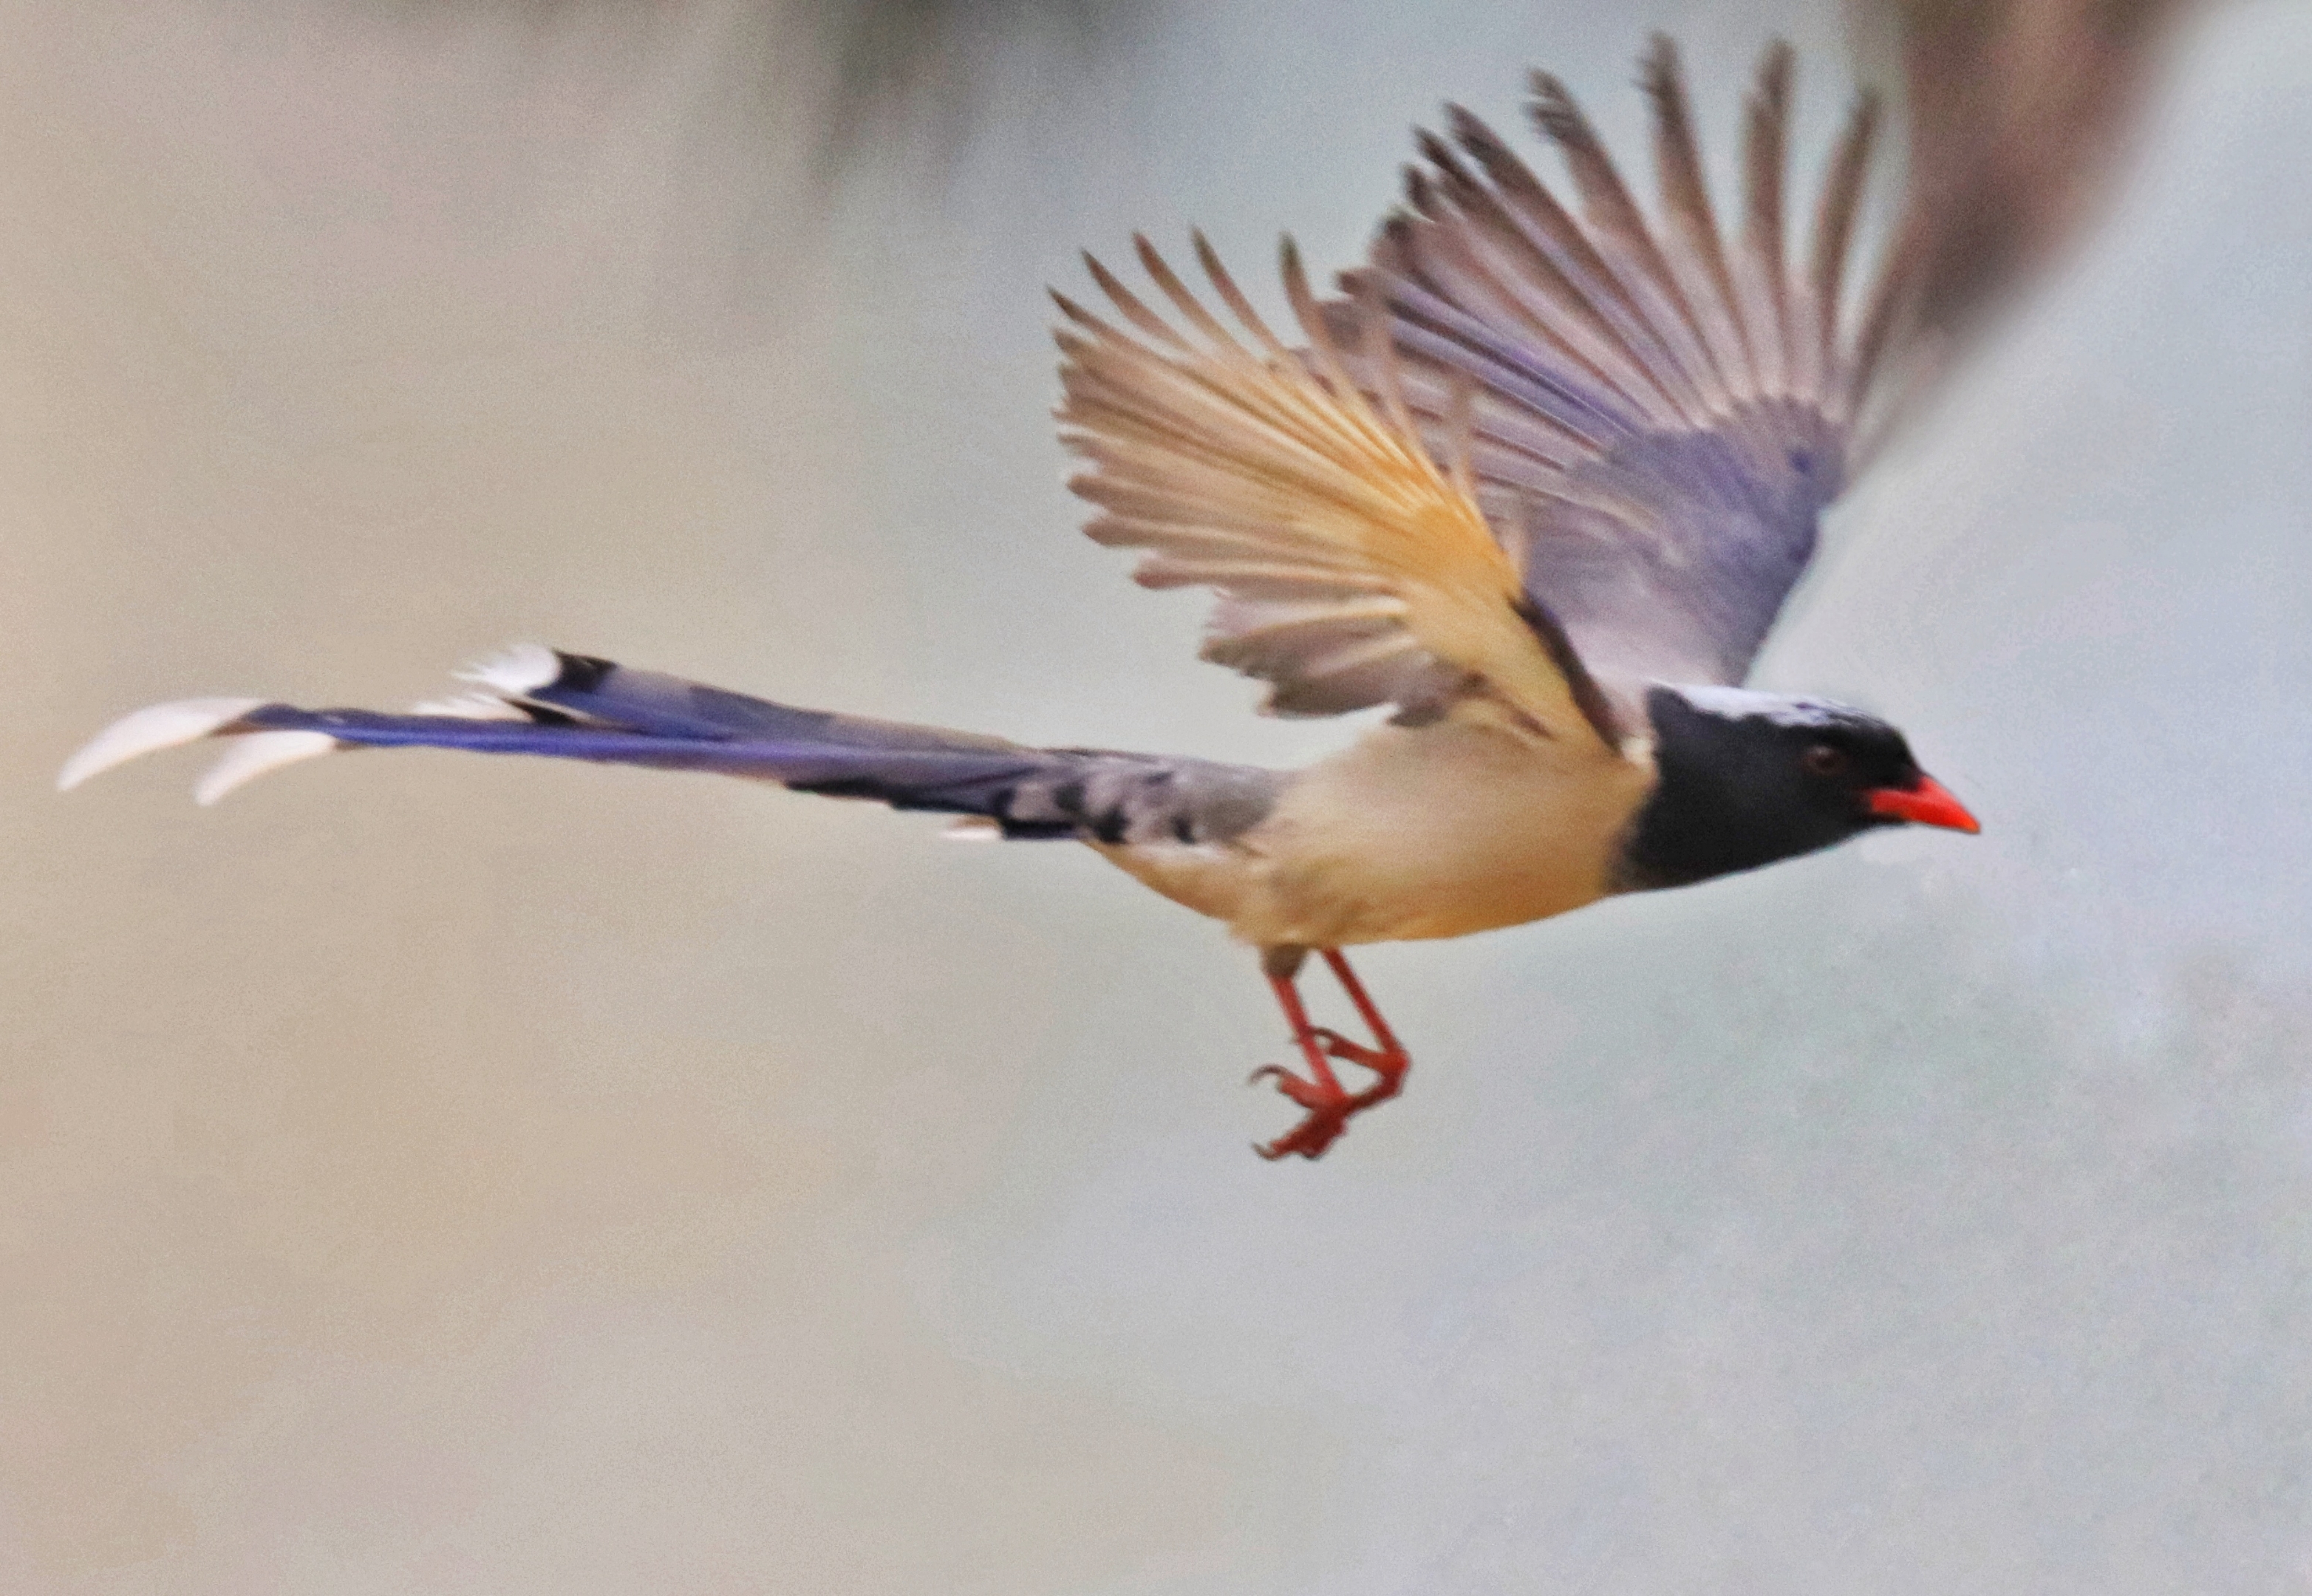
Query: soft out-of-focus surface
pixel 442 1175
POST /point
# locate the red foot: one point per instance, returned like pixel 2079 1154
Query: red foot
pixel 1330 1105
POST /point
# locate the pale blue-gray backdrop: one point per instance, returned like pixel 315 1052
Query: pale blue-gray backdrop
pixel 436 1174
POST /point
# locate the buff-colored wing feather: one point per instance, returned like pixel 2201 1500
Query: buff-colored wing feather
pixel 1351 568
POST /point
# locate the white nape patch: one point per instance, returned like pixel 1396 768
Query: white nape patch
pixel 972 829
pixel 259 752
pixel 1784 709
pixel 470 706
pixel 159 727
pixel 521 669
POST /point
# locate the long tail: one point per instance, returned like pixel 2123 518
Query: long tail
pixel 534 701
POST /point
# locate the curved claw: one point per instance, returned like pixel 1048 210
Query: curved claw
pixel 1318 1096
pixel 1309 1139
pixel 1329 1108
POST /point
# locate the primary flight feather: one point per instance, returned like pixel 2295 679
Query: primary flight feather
pixel 1538 479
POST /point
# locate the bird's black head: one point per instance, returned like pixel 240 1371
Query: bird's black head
pixel 1747 778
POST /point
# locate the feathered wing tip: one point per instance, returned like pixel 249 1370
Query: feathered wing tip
pixel 1263 472
pixel 1841 203
pixel 1581 325
pixel 1109 375
pixel 1696 255
pixel 505 679
pixel 1765 290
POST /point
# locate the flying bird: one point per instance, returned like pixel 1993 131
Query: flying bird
pixel 1537 480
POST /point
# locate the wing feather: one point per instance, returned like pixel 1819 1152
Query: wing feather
pixel 1494 267
pixel 1353 569
pixel 1652 416
pixel 1834 234
pixel 1619 230
pixel 1696 257
pixel 1556 234
pixel 1766 151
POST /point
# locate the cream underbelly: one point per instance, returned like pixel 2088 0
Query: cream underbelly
pixel 1436 831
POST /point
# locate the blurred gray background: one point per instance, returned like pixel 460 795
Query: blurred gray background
pixel 437 1174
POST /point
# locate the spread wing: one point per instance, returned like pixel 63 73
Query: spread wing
pixel 1351 568
pixel 1658 413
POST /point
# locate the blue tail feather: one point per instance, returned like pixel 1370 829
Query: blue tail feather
pixel 575 706
pixel 793 762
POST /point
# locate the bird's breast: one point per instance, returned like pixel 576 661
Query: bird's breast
pixel 1413 833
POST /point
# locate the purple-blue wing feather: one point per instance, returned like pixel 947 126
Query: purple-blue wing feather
pixel 1654 416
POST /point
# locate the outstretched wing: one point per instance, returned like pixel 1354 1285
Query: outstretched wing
pixel 1352 569
pixel 1656 414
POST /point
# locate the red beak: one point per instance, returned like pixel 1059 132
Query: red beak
pixel 1929 804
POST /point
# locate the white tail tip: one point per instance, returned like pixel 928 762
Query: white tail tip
pixel 521 669
pixel 159 726
pixel 257 753
pixel 472 707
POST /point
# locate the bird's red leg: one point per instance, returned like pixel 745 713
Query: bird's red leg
pixel 1386 1057
pixel 1329 1105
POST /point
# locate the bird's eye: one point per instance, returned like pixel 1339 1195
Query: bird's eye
pixel 1821 759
